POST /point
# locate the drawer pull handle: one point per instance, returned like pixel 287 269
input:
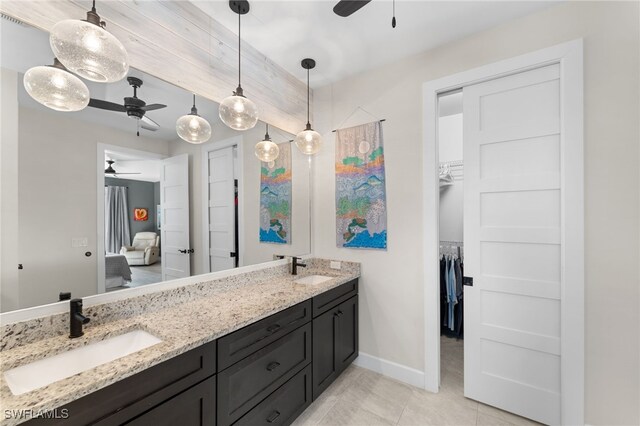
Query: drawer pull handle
pixel 273 328
pixel 272 366
pixel 273 416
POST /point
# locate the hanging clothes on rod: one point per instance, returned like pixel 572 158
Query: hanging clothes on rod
pixel 451 288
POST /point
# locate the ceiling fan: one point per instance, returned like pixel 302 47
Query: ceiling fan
pixel 111 171
pixel 134 107
pixel 346 8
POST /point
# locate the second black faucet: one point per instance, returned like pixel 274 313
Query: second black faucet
pixel 295 264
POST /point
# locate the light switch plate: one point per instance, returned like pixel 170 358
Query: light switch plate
pixel 79 242
pixel 335 264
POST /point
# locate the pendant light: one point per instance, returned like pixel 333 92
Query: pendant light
pixel 236 111
pixel 55 87
pixel 87 49
pixel 266 150
pixel 308 141
pixel 193 128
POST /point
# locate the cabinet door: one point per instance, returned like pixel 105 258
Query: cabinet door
pixel 194 407
pixel 325 350
pixel 347 347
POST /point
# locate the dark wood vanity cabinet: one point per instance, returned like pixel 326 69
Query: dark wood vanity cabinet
pixel 266 373
pixel 178 385
pixel 335 342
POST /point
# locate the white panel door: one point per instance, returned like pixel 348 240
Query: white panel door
pixel 174 203
pixel 221 210
pixel 512 237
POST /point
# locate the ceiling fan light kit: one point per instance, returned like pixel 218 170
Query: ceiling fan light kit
pixel 237 111
pixel 308 141
pixel 56 88
pixel 266 150
pixel 192 128
pixel 87 49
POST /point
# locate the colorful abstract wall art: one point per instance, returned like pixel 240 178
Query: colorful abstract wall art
pixel 361 206
pixel 275 198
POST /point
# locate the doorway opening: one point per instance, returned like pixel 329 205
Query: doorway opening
pixel 451 241
pixel 523 236
pixel 132 221
pixel 130 224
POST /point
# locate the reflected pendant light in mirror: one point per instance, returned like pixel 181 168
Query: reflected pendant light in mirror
pixel 193 128
pixel 237 111
pixel 87 49
pixel 266 150
pixel 308 141
pixel 55 87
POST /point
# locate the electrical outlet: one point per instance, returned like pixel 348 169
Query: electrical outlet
pixel 335 264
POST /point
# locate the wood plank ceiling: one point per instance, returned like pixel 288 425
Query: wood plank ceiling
pixel 176 42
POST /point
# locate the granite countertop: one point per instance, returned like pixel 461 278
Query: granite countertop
pixel 181 326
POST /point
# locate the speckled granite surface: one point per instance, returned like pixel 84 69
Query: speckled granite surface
pixel 184 318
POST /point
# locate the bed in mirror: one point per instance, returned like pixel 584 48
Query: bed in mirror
pixel 97 201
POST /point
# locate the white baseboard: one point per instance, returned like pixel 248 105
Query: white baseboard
pixel 391 369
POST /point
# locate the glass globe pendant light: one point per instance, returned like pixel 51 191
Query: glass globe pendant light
pixel 266 150
pixel 193 128
pixel 237 111
pixel 56 88
pixel 308 141
pixel 87 49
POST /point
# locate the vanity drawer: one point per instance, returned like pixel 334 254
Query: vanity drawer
pixel 243 385
pixel 327 300
pixel 242 343
pixel 124 400
pixel 193 407
pixel 284 405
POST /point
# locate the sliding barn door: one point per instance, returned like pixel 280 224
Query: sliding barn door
pixel 174 202
pixel 512 235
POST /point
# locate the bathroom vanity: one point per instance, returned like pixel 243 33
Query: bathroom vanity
pixel 255 348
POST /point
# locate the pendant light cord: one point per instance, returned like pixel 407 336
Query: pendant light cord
pixel 239 47
pixel 308 122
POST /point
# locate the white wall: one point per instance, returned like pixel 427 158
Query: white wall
pixel 252 250
pixel 452 196
pixel 56 193
pixel 391 304
pixel 9 296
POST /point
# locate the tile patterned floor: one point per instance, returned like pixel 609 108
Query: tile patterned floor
pixel 360 397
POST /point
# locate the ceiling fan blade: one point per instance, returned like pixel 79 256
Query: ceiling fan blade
pixel 125 173
pixel 148 124
pixel 98 103
pixel 345 8
pixel 153 107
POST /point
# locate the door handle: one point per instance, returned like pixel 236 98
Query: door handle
pixel 185 251
pixel 273 328
pixel 273 416
pixel 232 254
pixel 272 366
pixel 467 281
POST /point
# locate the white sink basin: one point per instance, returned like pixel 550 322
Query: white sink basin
pixel 66 364
pixel 313 279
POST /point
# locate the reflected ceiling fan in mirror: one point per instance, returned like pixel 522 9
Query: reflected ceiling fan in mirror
pixel 112 172
pixel 135 107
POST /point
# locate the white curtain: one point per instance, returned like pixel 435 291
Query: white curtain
pixel 116 219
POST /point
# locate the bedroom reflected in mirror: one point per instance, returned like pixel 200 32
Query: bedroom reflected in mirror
pixel 118 195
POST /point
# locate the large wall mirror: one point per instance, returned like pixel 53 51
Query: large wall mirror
pixel 95 201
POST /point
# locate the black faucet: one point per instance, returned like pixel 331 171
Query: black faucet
pixel 295 264
pixel 76 319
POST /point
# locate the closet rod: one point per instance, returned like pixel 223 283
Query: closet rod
pixel 384 119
